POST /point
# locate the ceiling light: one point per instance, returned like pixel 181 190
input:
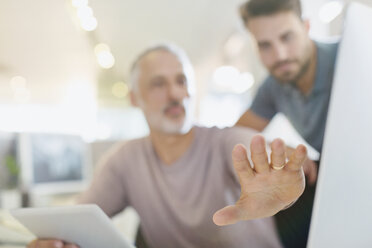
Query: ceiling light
pixel 101 48
pixel 89 24
pixel 244 83
pixel 224 75
pixel 18 83
pixel 234 45
pixel 105 59
pixel 228 79
pixel 85 12
pixel 120 89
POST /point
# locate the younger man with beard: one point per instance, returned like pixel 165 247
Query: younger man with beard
pixel 299 86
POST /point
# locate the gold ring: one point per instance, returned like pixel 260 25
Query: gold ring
pixel 278 167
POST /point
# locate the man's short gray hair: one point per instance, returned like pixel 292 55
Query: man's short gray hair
pixel 168 47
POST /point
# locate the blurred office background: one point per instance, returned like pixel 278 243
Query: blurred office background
pixel 64 80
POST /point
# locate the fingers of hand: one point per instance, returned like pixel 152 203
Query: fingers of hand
pixel 278 155
pixel 39 243
pixel 259 155
pixel 241 163
pixel 297 158
pixel 311 171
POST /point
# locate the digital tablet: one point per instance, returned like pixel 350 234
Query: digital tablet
pixel 85 225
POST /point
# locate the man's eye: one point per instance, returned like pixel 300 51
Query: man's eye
pixel 264 46
pixel 181 81
pixel 287 37
pixel 157 84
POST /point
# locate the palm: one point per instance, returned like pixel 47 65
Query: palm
pixel 264 190
pixel 265 195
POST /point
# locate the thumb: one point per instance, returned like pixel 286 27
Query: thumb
pixel 227 216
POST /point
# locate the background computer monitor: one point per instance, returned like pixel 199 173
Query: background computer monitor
pixel 54 163
pixel 342 215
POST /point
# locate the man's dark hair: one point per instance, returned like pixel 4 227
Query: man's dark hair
pixel 255 8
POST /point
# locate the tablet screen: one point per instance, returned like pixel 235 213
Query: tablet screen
pixel 85 225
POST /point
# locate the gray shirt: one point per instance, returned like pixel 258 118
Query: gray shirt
pixel 307 114
pixel 176 203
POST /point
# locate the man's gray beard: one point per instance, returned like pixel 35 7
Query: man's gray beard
pixel 167 126
pixel 172 128
pixel 175 128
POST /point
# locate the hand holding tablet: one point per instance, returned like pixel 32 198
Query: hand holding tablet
pixel 85 225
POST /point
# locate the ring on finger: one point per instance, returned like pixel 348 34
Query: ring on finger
pixel 278 167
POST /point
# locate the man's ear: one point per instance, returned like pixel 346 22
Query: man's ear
pixel 133 99
pixel 306 25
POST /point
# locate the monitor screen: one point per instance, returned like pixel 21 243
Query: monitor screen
pixel 343 201
pixel 54 163
pixel 56 158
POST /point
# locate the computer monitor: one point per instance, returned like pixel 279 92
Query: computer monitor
pixel 342 215
pixel 54 163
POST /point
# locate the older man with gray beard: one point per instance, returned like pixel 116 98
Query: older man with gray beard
pixel 192 186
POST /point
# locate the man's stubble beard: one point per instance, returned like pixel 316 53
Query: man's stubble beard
pixel 304 67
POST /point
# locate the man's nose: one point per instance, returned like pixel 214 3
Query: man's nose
pixel 280 53
pixel 176 92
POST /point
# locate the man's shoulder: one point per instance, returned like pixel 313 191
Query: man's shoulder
pixel 122 149
pixel 225 132
pixel 328 47
pixel 328 43
pixel 215 129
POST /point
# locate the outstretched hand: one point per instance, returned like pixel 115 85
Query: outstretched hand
pixel 266 187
